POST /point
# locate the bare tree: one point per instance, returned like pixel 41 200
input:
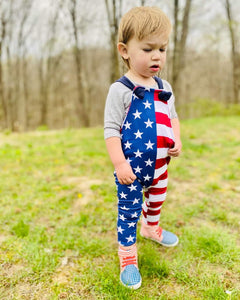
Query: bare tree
pixel 48 63
pixel 181 28
pixel 235 53
pixel 21 64
pixel 82 85
pixel 114 11
pixel 7 90
pixel 2 40
pixel 15 15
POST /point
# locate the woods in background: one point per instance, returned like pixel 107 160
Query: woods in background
pixel 58 58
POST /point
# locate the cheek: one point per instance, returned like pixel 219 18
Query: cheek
pixel 142 59
pixel 137 60
pixel 164 57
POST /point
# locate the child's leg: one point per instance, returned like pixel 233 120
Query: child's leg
pixel 129 211
pixel 154 199
pixel 155 196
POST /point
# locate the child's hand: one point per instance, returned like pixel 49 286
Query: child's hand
pixel 176 150
pixel 125 174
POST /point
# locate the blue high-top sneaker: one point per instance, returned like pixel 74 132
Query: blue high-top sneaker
pixel 129 276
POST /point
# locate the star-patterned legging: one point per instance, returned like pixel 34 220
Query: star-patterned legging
pixel 130 198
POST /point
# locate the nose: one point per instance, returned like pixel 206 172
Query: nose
pixel 156 55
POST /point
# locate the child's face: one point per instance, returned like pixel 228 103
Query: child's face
pixel 148 56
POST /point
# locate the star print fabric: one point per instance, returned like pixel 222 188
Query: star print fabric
pixel 129 211
pixel 146 136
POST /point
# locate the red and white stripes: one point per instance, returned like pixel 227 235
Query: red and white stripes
pixel 155 195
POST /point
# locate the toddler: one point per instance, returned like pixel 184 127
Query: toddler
pixel 142 131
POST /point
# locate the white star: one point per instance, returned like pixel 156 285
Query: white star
pixel 123 195
pixel 147 104
pixel 138 154
pixel 147 178
pixel 127 145
pixel 127 125
pixel 138 134
pixel 149 162
pixel 121 217
pixel 132 224
pixel 134 215
pixel 135 96
pixel 132 187
pixel 124 208
pixel 120 229
pixel 128 160
pixel 148 123
pixel 149 145
pixel 137 115
pixel 136 201
pixel 130 239
pixel 137 169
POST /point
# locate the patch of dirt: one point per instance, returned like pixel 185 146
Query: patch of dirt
pixel 83 188
pixel 9 270
pixel 2 239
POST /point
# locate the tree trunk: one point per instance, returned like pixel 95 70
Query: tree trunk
pixel 234 52
pixel 114 15
pixel 83 103
pixel 2 96
pixel 180 39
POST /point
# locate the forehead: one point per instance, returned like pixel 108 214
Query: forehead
pixel 156 39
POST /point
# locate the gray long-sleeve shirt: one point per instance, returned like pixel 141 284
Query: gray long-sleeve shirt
pixel 117 104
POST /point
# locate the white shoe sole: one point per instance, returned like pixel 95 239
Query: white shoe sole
pixel 163 244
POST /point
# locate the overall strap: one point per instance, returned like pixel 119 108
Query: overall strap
pixel 140 90
pixel 159 82
pixel 124 80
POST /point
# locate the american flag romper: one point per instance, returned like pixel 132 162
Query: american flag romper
pixel 146 136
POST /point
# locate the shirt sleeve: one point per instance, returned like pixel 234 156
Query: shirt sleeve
pixel 117 102
pixel 171 101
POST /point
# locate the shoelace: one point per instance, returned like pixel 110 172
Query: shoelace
pixel 128 257
pixel 129 260
pixel 159 231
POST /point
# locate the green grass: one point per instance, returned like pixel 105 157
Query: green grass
pixel 58 211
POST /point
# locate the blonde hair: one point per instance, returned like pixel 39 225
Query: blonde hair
pixel 140 22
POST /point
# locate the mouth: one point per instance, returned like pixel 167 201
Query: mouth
pixel 155 68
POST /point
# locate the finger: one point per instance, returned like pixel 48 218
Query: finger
pixel 173 150
pixel 173 154
pixel 127 181
pixel 121 181
pixel 131 180
pixel 133 177
pixel 176 154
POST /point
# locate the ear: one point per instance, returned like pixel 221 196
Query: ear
pixel 122 49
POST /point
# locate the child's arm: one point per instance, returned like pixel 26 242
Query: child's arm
pixel 176 150
pixel 123 169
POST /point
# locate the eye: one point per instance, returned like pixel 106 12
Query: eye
pixel 162 50
pixel 147 50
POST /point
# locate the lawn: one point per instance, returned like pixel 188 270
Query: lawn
pixel 58 217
